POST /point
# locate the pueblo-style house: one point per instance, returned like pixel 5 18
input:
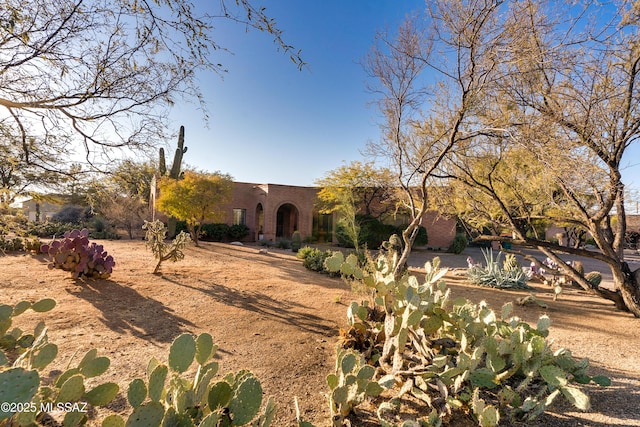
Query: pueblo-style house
pixel 273 212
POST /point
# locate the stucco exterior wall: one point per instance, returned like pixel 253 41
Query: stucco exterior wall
pixel 440 230
pixel 271 198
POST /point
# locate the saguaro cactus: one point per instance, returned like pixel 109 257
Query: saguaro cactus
pixel 174 173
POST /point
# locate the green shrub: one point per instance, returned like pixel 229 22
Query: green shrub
pixel 50 229
pixel 265 242
pixel 214 232
pixel 104 235
pixel 283 244
pixel 459 244
pixel 73 214
pixel 373 232
pixel 296 241
pixel 314 259
pixel 238 232
pixel 304 252
pixel 422 239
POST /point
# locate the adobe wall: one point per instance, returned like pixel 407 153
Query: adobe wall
pixel 440 230
pixel 633 223
pixel 271 197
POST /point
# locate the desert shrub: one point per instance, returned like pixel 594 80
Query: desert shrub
pixel 181 226
pixel 373 232
pixel 314 259
pixel 422 239
pixel 16 243
pixel 101 229
pixel 238 232
pixel 265 242
pixel 459 244
pixel 296 241
pixel 283 244
pixel 413 343
pixel 214 232
pixel 72 214
pixel 304 252
pixel 10 244
pixel 50 229
pixel 104 235
pixel 32 244
pixel 75 254
pixel 497 275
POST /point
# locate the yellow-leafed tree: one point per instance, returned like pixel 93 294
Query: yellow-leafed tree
pixel 197 198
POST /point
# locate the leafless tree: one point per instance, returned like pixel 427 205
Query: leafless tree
pixel 431 78
pixel 545 104
pixel 95 75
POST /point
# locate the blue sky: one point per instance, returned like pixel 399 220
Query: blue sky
pixel 270 122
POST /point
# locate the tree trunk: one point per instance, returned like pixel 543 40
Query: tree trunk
pixel 629 285
pixel 171 227
pixel 193 230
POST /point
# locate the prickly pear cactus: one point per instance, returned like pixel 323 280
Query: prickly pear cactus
pixel 169 397
pixel 25 356
pixel 75 254
pixel 451 355
pixel 18 387
pixel 350 385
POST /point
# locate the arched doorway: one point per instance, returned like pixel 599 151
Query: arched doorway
pixel 286 221
pixel 259 226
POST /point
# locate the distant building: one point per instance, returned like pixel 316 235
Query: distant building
pixel 40 211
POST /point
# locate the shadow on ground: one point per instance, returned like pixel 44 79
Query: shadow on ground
pixel 124 310
pixel 286 312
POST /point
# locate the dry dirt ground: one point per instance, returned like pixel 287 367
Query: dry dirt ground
pixel 272 316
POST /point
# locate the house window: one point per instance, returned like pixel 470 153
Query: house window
pixel 239 217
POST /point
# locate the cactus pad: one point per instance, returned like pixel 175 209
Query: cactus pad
pixel 102 394
pixel 95 367
pixel 204 348
pixel 246 401
pixel 182 352
pixel 72 390
pixel 156 382
pixel 137 392
pixel 150 414
pixel 17 385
